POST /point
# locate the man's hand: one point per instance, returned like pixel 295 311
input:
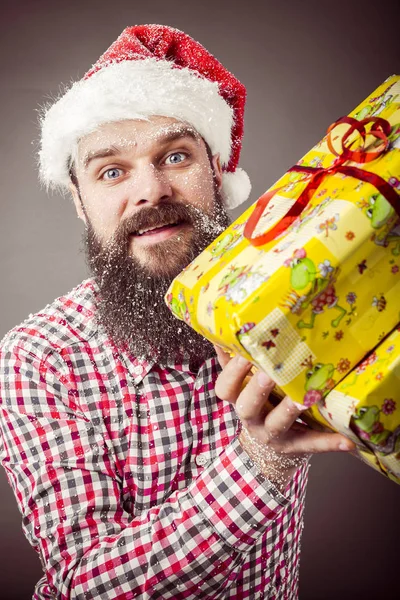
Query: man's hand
pixel 272 437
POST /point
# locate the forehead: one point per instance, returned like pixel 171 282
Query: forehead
pixel 136 134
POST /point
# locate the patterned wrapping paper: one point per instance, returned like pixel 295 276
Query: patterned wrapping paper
pixel 313 285
pixel 365 407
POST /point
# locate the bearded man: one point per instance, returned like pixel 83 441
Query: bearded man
pixel 141 464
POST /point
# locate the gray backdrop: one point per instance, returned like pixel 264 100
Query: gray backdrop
pixel 304 64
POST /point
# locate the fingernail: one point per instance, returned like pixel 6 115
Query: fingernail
pixel 242 361
pixel 220 349
pixel 263 379
pixel 345 447
pixel 300 406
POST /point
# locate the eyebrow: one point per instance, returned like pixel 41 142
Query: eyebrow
pixel 164 138
pixel 102 153
pixel 176 134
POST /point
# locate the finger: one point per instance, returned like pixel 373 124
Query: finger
pixel 306 419
pixel 223 357
pixel 316 442
pixel 230 380
pixel 252 405
pixel 301 427
pixel 281 419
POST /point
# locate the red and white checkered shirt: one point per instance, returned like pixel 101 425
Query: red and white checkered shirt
pixel 129 475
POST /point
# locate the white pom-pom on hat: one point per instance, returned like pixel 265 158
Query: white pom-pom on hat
pixel 236 188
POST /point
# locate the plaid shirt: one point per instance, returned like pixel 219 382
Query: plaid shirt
pixel 129 475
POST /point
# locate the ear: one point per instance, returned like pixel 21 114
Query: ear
pixel 78 202
pixel 216 163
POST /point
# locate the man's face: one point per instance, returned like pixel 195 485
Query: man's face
pixel 148 192
pixel 136 175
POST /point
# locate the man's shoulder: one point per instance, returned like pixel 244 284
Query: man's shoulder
pixel 68 320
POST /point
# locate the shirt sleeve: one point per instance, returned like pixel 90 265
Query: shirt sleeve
pixel 193 545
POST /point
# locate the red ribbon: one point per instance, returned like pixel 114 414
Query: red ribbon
pixel 380 128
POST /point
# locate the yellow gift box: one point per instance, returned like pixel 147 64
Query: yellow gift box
pixel 365 407
pixel 307 280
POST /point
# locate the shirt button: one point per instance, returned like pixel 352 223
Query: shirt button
pixel 138 370
pixel 198 384
pixel 201 460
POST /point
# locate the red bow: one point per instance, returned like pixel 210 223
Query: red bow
pixel 380 128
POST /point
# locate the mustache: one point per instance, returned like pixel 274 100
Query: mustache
pixel 206 226
pixel 166 212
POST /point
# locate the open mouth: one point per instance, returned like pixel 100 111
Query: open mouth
pixel 158 232
pixel 156 229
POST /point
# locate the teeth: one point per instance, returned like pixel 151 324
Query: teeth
pixel 141 231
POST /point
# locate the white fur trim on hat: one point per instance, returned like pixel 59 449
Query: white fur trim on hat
pixel 236 188
pixel 131 89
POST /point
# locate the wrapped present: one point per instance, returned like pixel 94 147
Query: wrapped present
pixel 365 407
pixel 307 280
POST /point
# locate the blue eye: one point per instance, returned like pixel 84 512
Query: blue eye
pixel 175 158
pixel 111 174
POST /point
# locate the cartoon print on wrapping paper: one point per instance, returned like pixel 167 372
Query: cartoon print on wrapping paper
pixel 230 239
pixel 268 343
pixel 383 101
pixel 294 180
pixel 244 330
pixel 179 307
pixel 242 333
pixel 367 363
pixel 378 210
pixel 379 302
pixel 309 213
pixel 366 424
pixel 240 282
pixel 394 182
pixel 328 225
pixel 381 213
pixel 319 382
pixel 321 292
pixel 316 162
pixel 394 137
pixel 264 221
pixel 377 104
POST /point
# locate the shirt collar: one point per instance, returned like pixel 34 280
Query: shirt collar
pixel 137 367
pixel 140 367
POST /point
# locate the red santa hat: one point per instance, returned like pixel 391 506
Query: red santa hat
pixel 150 70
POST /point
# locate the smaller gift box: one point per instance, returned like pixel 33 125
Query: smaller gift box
pixel 365 407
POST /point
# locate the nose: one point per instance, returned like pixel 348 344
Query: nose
pixel 150 186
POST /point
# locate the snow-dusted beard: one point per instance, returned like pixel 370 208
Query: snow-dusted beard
pixel 131 304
